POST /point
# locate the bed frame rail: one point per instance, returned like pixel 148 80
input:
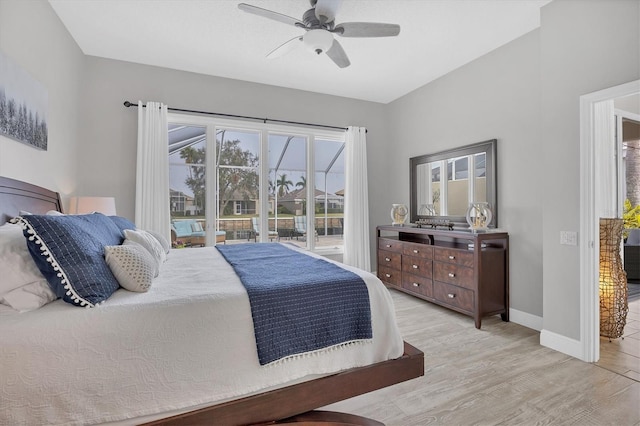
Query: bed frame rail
pixel 303 397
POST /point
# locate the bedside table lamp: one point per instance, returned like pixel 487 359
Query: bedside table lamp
pixel 84 205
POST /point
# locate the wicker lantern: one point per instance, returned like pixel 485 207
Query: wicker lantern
pixel 613 280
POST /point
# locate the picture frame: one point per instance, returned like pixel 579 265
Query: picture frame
pixel 23 106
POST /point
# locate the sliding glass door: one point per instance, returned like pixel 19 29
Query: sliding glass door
pixel 222 192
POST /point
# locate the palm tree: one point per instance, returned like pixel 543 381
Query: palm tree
pixel 302 183
pixel 283 185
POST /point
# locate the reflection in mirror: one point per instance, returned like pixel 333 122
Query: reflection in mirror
pixel 470 178
pixel 480 174
pixel 458 186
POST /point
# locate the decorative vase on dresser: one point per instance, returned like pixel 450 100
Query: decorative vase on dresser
pixel 465 271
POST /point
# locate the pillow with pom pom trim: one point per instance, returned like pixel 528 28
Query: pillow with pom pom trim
pixel 69 252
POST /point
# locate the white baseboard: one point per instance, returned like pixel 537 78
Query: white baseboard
pixel 525 319
pixel 561 343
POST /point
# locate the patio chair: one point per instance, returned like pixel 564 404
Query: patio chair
pixel 189 231
pixel 221 237
pixel 300 225
pixel 256 230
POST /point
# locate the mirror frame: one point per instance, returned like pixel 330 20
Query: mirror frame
pixel 490 148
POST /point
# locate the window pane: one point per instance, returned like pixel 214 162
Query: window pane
pixel 287 184
pixel 329 192
pixel 187 172
pixel 238 184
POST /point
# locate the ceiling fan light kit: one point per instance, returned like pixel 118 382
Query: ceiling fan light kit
pixel 319 24
pixel 318 41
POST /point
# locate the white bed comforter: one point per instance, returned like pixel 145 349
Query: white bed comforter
pixel 188 341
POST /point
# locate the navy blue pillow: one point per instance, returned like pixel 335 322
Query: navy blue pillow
pixel 69 251
pixel 122 223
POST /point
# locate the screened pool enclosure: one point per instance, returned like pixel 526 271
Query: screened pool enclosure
pixel 245 180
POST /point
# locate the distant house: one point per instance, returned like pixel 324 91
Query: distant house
pixel 183 204
pixel 294 201
pixel 240 203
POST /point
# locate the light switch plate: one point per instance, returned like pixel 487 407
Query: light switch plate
pixel 569 238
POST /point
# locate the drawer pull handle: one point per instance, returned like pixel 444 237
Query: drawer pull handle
pixel 415 266
pixel 451 257
pixel 416 285
pixel 388 245
pixel 387 275
pixel 387 259
pixel 451 295
pixel 416 251
pixel 452 275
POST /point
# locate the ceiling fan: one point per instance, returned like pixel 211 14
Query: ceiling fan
pixel 319 24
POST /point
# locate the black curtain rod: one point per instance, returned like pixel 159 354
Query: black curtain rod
pixel 264 120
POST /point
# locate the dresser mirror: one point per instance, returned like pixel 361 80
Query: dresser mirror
pixel 447 200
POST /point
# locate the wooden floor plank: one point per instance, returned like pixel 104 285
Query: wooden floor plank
pixel 499 375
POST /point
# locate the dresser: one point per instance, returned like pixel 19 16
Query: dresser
pixel 460 270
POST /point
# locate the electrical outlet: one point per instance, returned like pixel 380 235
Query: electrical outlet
pixel 568 238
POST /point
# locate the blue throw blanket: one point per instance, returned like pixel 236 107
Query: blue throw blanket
pixel 299 303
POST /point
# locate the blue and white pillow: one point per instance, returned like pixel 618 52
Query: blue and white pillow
pixel 69 251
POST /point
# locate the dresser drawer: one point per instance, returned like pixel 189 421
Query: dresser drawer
pixel 389 259
pixel 417 284
pixel 389 244
pixel 453 274
pixel 416 265
pixel 390 276
pixel 417 249
pixel 454 296
pixel 458 257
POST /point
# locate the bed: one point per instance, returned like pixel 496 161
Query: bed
pixel 180 354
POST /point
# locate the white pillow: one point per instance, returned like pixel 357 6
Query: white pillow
pixel 54 213
pixel 166 245
pixel 29 297
pixel 156 263
pixel 132 265
pixel 147 241
pixel 17 266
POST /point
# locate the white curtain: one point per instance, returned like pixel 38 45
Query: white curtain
pixel 152 170
pixel 356 203
pixel 606 180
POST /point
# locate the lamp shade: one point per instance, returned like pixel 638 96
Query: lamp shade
pixel 318 40
pixel 82 205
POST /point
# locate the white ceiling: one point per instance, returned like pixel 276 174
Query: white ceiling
pixel 214 37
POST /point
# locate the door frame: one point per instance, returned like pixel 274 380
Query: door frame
pixel 589 224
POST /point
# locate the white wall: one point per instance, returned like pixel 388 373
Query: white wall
pixel 526 94
pixel 495 96
pixel 33 37
pixel 585 46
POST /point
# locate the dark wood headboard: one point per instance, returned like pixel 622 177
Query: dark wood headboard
pixel 16 195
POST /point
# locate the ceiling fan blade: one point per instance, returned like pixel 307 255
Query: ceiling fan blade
pixel 326 10
pixel 366 29
pixel 270 14
pixel 285 47
pixel 338 55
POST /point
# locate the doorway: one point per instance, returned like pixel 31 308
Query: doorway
pixel 590 207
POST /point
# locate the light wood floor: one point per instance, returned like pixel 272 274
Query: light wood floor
pixel 499 375
pixel 622 356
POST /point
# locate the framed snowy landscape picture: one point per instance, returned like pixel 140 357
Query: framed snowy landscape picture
pixel 23 105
